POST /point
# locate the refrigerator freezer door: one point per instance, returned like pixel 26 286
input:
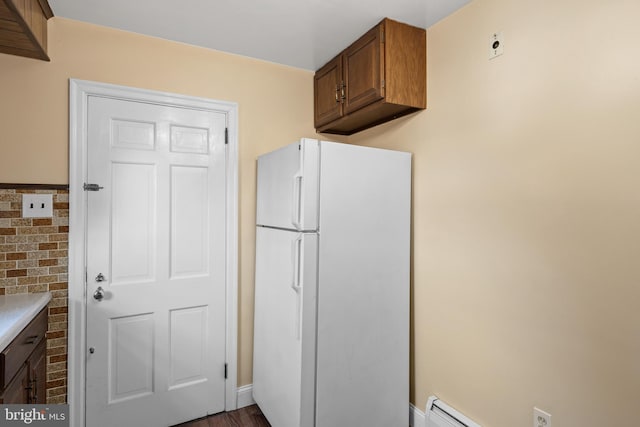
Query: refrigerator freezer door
pixel 284 329
pixel 288 187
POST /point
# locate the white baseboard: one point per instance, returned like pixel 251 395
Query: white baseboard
pixel 245 396
pixel 416 417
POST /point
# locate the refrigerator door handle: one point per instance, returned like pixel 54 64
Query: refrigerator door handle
pixel 296 249
pixel 295 205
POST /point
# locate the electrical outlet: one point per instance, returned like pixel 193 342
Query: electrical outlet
pixel 496 45
pixel 541 418
pixel 37 205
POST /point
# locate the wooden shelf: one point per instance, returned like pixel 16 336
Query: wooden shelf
pixel 23 28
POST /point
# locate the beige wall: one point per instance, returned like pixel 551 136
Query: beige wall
pixel 527 213
pixel 274 103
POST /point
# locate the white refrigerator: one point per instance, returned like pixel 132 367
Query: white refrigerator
pixel 331 331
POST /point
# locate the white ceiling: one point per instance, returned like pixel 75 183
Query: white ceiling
pixel 300 33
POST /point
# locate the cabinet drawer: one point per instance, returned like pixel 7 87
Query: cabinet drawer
pixel 16 353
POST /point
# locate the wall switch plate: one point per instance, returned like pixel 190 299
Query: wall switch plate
pixel 37 205
pixel 496 45
pixel 541 418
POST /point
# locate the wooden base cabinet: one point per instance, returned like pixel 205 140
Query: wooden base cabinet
pixel 381 76
pixel 18 390
pixel 23 367
pixel 38 374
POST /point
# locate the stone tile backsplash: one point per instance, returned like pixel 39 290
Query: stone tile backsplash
pixel 34 258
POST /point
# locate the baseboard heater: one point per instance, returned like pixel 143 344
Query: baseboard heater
pixel 439 414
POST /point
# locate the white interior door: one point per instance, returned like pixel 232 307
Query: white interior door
pixel 155 264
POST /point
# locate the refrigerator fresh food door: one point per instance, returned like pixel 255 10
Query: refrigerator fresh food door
pixel 284 329
pixel 288 187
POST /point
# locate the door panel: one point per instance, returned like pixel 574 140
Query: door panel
pixel 133 223
pixel 189 139
pixel 156 248
pixel 188 352
pixel 288 187
pixel 189 221
pixel 132 134
pixel 131 362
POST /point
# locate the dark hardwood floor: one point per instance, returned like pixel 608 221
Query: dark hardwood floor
pixel 251 416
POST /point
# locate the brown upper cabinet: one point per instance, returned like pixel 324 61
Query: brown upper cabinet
pixel 23 27
pixel 381 76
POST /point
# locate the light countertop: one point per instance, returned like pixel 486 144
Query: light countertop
pixel 16 311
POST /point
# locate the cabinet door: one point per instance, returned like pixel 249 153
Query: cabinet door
pixel 38 374
pixel 18 389
pixel 364 70
pixel 327 92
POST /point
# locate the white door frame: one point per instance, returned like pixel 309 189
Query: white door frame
pixel 79 92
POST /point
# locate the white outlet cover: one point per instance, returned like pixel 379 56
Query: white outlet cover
pixel 496 45
pixel 37 205
pixel 541 418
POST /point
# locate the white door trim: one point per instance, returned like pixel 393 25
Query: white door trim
pixel 79 91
